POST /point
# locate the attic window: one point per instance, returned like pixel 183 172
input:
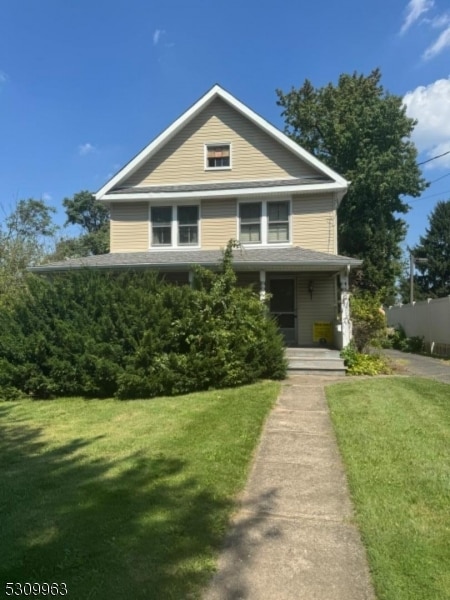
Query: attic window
pixel 218 156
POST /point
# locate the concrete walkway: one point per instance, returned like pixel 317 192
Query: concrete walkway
pixel 293 537
pixel 424 366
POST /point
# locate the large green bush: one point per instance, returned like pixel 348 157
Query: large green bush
pixel 369 320
pixel 131 335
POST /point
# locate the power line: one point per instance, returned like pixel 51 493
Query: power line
pixel 433 158
pixel 439 178
pixel 431 196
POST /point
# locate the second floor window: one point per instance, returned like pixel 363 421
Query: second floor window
pixel 174 225
pixel 278 221
pixel 188 225
pixel 161 225
pixel 264 222
pixel 250 216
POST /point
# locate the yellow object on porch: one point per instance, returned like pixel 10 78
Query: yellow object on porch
pixel 323 332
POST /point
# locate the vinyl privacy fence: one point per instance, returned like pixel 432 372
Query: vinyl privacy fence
pixel 429 319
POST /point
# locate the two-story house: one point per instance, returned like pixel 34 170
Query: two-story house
pixel 221 172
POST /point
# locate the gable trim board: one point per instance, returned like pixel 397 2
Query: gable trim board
pixel 221 193
pixel 338 184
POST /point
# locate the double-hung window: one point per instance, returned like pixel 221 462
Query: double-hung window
pixel 174 226
pixel 278 222
pixel 187 225
pixel 264 222
pixel 161 225
pixel 250 218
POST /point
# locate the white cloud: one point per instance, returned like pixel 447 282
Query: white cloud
pixel 46 197
pixel 84 149
pixel 430 105
pixel 439 45
pixel 414 10
pixel 157 36
pixel 3 77
pixel 439 21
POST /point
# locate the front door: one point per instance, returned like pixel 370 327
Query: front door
pixel 282 307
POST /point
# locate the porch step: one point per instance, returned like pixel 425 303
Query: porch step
pixel 314 360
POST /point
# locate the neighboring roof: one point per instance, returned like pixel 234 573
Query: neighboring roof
pixel 193 111
pixel 292 259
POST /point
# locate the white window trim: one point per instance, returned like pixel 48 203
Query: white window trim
pixel 264 223
pixel 175 245
pixel 205 156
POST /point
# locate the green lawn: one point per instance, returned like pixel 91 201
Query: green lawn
pixel 123 499
pixel 394 436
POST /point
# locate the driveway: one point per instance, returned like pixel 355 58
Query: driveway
pixel 424 366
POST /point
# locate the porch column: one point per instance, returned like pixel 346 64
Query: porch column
pixel 346 322
pixel 191 278
pixel 262 285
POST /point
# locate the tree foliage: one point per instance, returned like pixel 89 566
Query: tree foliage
pixel 434 278
pixel 24 237
pixel 362 132
pixel 92 217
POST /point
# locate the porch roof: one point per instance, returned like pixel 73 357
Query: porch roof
pixel 244 259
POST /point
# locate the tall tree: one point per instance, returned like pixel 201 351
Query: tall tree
pixel 363 133
pixel 84 210
pixel 93 219
pixel 24 237
pixel 434 278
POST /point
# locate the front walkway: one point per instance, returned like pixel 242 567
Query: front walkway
pixel 293 537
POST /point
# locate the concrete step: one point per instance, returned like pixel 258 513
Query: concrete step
pixel 324 361
pixel 311 352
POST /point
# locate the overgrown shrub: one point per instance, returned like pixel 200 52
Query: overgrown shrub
pixel 358 363
pixel 400 341
pixel 131 335
pixel 369 320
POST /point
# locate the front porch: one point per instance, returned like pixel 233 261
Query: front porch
pixel 311 307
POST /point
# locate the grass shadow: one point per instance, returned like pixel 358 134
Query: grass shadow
pixel 136 528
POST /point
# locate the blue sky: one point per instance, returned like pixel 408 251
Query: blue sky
pixel 85 85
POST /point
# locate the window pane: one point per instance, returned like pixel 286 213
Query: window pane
pixel 250 212
pixel 278 211
pixel 161 236
pixel 278 232
pixel 161 214
pixel 250 233
pixel 187 215
pixel 223 161
pixel 188 235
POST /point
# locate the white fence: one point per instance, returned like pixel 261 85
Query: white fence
pixel 429 319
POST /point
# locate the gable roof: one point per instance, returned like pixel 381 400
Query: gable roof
pixel 339 183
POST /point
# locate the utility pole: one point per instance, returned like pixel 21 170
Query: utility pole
pixel 412 262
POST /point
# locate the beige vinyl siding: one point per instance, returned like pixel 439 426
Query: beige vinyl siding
pixel 314 224
pixel 218 222
pixel 321 307
pixel 254 154
pixel 129 227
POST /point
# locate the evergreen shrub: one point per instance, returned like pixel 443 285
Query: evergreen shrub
pixel 131 335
